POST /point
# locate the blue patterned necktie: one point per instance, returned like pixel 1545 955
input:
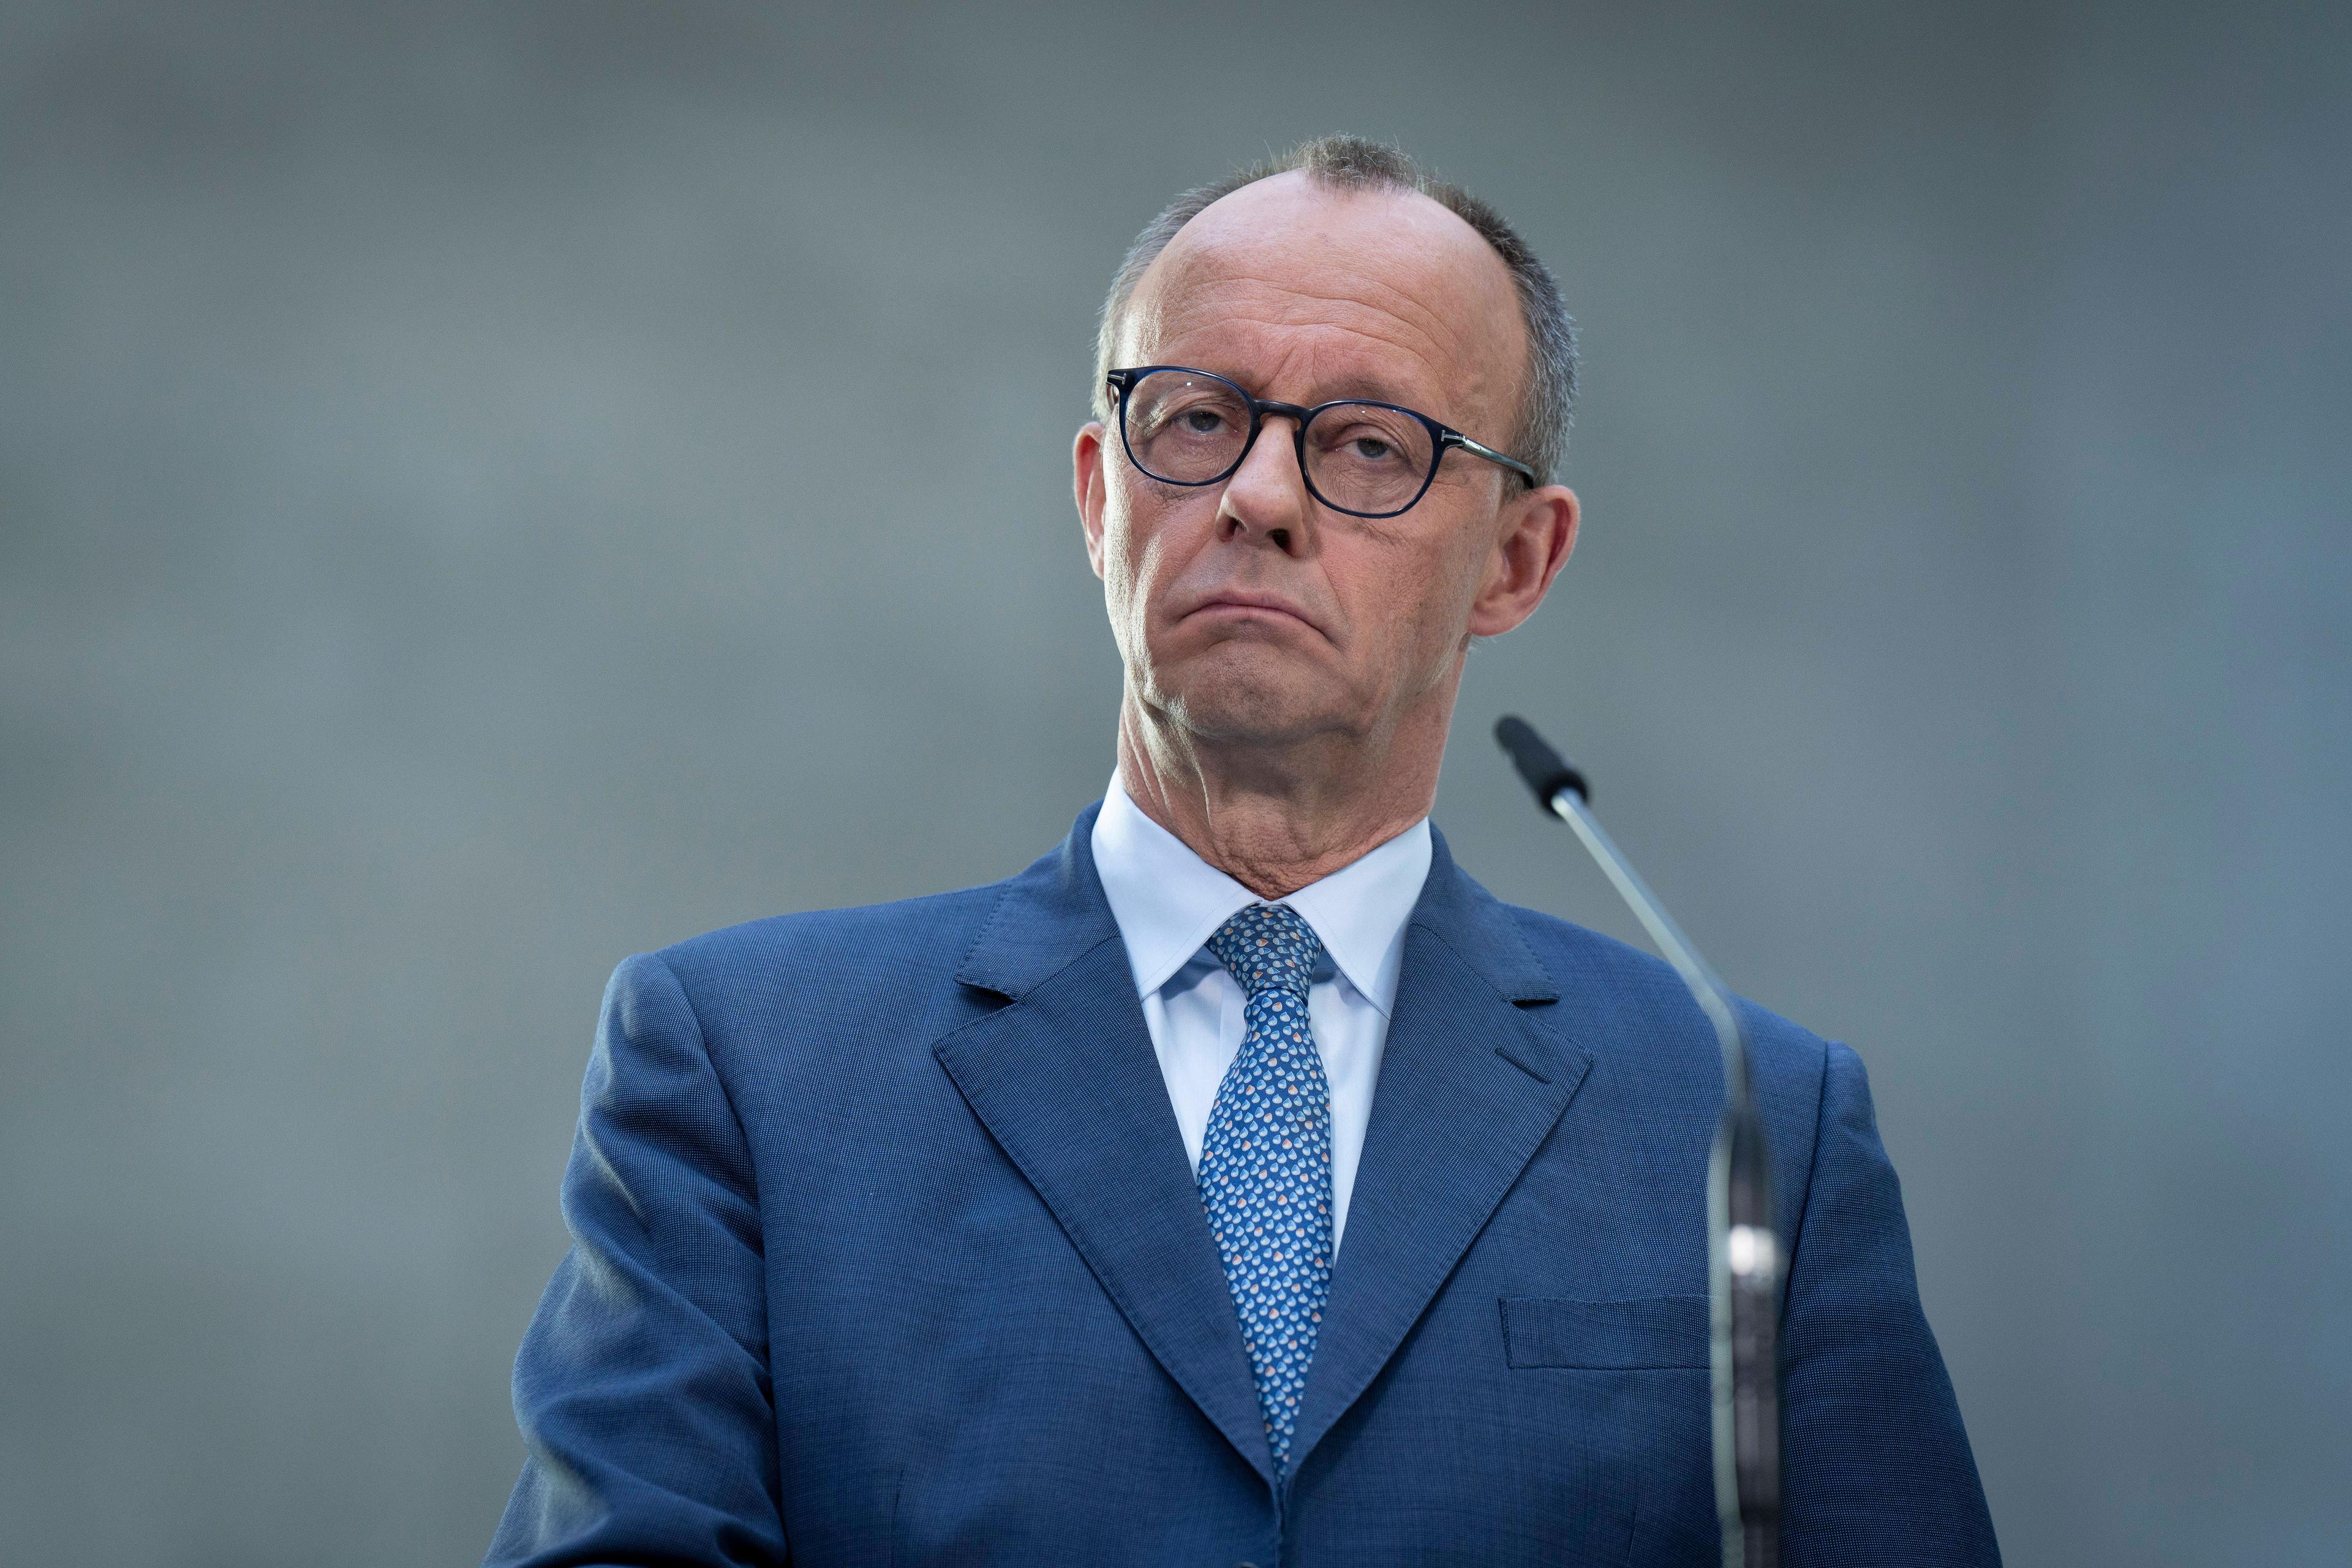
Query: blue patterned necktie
pixel 1266 1163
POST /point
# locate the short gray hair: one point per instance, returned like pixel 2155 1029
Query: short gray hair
pixel 1353 164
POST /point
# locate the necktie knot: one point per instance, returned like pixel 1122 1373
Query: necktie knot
pixel 1268 946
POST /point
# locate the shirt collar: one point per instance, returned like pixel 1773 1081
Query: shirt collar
pixel 1168 901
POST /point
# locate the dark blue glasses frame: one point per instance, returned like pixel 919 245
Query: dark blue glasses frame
pixel 1443 438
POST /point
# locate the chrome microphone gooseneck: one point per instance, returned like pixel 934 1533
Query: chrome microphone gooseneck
pixel 1744 1249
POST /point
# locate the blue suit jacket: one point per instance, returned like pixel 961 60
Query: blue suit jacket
pixel 885 1251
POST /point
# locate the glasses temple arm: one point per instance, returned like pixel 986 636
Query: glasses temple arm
pixel 1480 449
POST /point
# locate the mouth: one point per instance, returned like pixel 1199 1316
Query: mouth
pixel 1230 605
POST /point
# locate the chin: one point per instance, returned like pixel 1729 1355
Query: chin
pixel 1253 706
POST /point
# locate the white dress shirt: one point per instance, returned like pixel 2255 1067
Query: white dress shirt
pixel 1168 901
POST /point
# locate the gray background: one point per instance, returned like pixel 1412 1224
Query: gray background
pixel 484 493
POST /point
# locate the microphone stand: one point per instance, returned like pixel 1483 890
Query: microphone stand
pixel 1743 1250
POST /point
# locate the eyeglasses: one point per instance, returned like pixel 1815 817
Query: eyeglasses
pixel 1188 427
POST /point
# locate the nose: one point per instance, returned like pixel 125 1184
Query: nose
pixel 1267 498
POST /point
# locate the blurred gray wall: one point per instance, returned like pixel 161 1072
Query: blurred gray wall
pixel 486 492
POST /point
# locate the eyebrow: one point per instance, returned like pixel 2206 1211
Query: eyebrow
pixel 1347 389
pixel 1360 387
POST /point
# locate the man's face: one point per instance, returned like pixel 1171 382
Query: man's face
pixel 1247 610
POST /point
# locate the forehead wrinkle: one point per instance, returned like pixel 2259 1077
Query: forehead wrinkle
pixel 1353 286
pixel 1305 368
pixel 1353 278
pixel 1373 326
pixel 1282 306
pixel 1391 300
pixel 1311 306
pixel 1321 365
pixel 1365 303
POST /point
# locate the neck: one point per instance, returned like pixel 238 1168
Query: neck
pixel 1277 817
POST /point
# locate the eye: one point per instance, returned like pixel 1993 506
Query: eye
pixel 1202 421
pixel 1363 441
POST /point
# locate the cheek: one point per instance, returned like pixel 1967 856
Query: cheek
pixel 1135 558
pixel 1411 595
pixel 1146 539
pixel 1125 552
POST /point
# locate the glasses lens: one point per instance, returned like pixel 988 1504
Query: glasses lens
pixel 1368 458
pixel 1184 427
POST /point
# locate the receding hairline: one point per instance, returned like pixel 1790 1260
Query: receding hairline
pixel 1307 181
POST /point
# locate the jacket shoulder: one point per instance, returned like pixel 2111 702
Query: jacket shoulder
pixel 1644 990
pixel 838 934
pixel 898 958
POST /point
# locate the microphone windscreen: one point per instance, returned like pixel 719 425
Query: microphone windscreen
pixel 1547 772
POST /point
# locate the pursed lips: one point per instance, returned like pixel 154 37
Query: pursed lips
pixel 1246 602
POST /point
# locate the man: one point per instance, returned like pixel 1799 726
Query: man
pixel 1242 1182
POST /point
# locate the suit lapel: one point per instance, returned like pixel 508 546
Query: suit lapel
pixel 1065 1081
pixel 1471 1084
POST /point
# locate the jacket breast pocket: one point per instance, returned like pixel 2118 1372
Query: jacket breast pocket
pixel 1651 1332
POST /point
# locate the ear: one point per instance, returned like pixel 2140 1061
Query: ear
pixel 1086 459
pixel 1537 531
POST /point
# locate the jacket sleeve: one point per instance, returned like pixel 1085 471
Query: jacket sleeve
pixel 642 1387
pixel 1876 1463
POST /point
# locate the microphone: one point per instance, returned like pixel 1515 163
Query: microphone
pixel 1743 1250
